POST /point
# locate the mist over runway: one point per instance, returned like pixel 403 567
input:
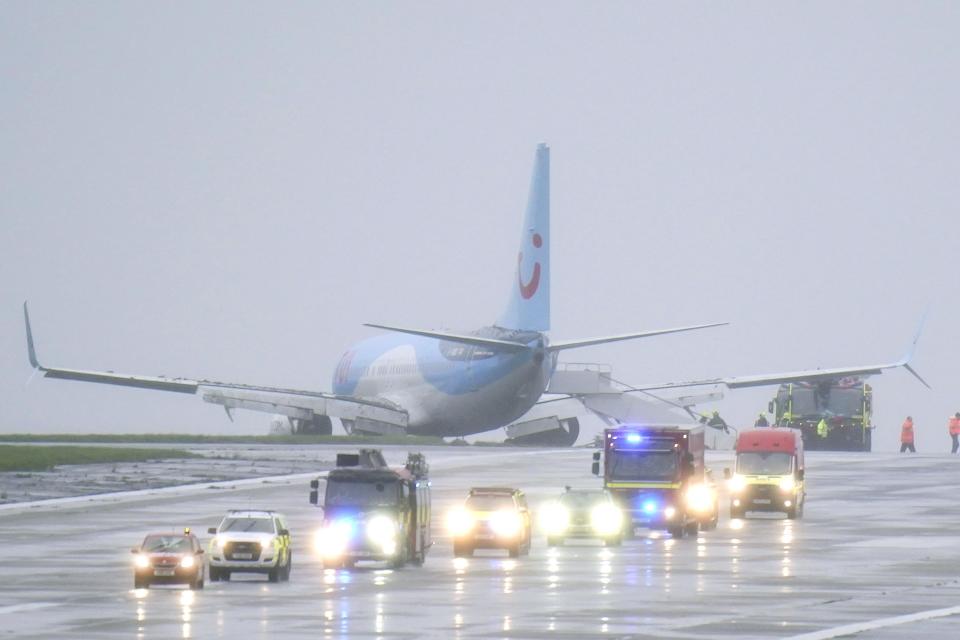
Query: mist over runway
pixel 875 548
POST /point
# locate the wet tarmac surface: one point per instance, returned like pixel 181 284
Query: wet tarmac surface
pixel 876 555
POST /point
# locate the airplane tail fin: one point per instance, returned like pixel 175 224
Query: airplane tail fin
pixel 529 304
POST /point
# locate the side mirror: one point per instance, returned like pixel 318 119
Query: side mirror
pixel 135 550
pixel 314 484
pixel 199 552
pixel 595 468
pixel 596 456
pixel 212 531
pixel 726 473
pixel 314 496
pixel 284 532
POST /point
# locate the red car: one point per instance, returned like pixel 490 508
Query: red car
pixel 168 558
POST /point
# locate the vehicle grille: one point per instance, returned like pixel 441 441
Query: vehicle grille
pixel 231 549
pixel 763 491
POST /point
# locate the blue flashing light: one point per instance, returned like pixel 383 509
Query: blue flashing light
pixel 649 507
pixel 634 438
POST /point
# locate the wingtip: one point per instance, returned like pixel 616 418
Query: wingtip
pixel 917 376
pixel 31 350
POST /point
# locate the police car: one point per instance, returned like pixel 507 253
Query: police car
pixel 251 542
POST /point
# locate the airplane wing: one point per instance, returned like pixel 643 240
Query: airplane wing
pixel 586 342
pixel 294 403
pixel 809 375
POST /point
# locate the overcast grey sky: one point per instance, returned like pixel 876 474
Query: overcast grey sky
pixel 228 190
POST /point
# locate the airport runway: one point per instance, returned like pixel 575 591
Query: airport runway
pixel 876 553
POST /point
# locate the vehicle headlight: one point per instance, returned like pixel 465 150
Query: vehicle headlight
pixel 218 543
pixel 738 483
pixel 382 530
pixel 187 562
pixel 606 519
pixel 700 498
pixel 554 518
pixel 787 483
pixel 505 523
pixel 460 522
pixel 669 512
pixel 332 539
pixel 140 561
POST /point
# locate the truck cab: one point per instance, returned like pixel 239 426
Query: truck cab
pixel 372 512
pixel 769 473
pixel 657 476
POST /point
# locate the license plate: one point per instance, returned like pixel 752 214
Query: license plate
pixel 761 501
pixel 163 572
pixel 247 556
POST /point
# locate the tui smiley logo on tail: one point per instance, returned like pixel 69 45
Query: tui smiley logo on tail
pixel 528 289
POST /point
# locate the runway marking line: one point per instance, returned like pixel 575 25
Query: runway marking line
pixel 879 623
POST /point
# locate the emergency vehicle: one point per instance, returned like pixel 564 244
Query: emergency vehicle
pixel 656 473
pixel 845 405
pixel 372 512
pixel 251 541
pixel 769 473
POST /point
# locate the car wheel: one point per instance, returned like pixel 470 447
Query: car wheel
pixel 288 568
pixel 274 574
pixel 514 551
pixel 677 531
pixel 225 576
pixel 461 550
pixel 140 583
pixel 214 574
pixel 197 583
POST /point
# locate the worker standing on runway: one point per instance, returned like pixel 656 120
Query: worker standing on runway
pixel 761 421
pixel 954 425
pixel 822 428
pixel 906 436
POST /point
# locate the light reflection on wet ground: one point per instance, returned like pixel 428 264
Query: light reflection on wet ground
pixel 67 573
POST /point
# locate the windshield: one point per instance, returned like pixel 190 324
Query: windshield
pixel 643 465
pixel 361 494
pixel 581 500
pixel 764 463
pixel 247 525
pixel 489 503
pixel 845 402
pixel 167 544
pixel 804 402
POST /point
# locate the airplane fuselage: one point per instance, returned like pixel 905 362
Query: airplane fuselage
pixel 449 388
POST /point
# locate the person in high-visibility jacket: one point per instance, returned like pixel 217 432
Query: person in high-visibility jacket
pixel 954 426
pixel 822 428
pixel 906 436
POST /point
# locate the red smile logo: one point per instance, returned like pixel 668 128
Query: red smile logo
pixel 527 290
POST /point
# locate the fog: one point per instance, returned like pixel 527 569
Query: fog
pixel 228 190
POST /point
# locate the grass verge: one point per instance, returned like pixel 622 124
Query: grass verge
pixel 44 458
pixel 189 438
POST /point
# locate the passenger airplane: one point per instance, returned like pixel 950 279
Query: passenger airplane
pixel 419 381
pixel 425 382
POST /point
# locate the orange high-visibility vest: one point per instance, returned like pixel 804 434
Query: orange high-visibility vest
pixel 906 432
pixel 954 426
